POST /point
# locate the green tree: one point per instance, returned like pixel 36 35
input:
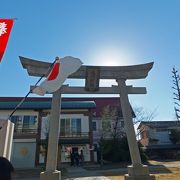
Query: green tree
pixel 113 142
pixel 110 127
pixel 118 151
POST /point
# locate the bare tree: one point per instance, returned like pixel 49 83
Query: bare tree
pixel 176 93
pixel 141 114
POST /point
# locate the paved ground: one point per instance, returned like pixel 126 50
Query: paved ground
pixel 94 172
pixel 82 178
pixel 70 173
pixel 90 178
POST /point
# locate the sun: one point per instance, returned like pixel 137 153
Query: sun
pixel 111 57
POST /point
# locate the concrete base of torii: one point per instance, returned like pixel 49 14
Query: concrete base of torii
pixel 138 172
pixel 56 175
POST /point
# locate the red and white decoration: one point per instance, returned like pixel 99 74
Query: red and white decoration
pixel 5 29
pixel 59 73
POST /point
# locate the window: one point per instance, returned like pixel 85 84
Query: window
pixel 62 129
pixel 65 127
pixel 76 126
pixel 23 123
pixel 17 120
pixel 70 126
pixel 122 124
pixel 29 122
pixel 94 128
pixel 161 129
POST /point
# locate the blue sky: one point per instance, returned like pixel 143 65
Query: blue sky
pixel 99 32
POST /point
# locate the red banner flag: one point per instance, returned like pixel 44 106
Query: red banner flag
pixel 5 29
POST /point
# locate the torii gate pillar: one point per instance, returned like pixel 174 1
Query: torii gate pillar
pixel 136 171
pixel 51 172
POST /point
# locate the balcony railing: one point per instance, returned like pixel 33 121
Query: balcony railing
pixel 25 131
pixel 74 135
pixel 33 132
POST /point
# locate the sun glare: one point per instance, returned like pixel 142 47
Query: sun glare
pixel 111 57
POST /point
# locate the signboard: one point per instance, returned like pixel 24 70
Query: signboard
pixel 92 78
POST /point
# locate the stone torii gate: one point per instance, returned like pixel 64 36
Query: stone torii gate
pixel 92 75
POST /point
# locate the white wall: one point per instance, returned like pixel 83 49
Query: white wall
pixel 85 124
pixel 44 127
pixel 6 113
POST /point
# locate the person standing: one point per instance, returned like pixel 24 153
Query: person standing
pixel 72 158
pixel 76 155
pixel 81 157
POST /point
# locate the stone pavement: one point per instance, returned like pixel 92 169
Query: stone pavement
pixel 79 173
pixel 90 178
pixel 72 173
pixel 82 178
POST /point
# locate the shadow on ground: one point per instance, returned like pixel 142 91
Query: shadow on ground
pixel 121 169
pixel 93 170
